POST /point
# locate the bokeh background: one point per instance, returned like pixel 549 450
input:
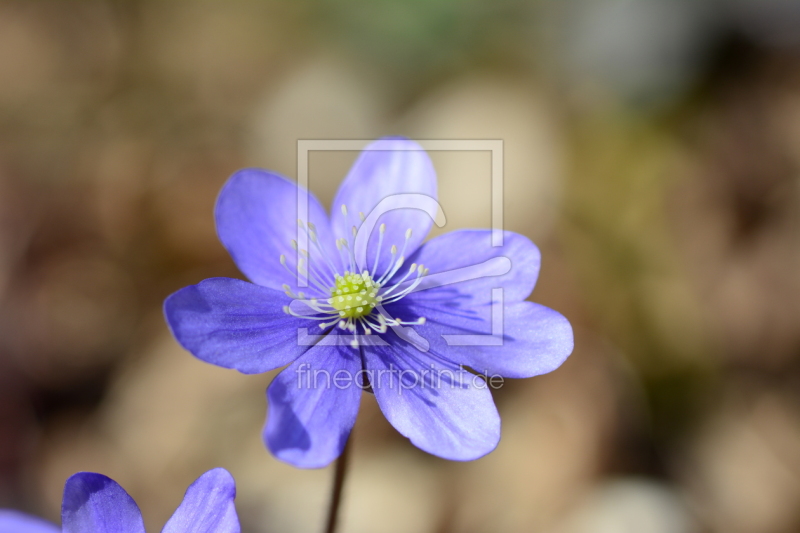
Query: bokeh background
pixel 652 151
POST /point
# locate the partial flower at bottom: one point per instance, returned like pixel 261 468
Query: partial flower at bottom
pixel 94 503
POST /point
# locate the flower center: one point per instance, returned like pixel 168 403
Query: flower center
pixel 357 300
pixel 355 295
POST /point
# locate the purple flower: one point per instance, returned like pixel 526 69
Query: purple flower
pixel 380 309
pixel 94 503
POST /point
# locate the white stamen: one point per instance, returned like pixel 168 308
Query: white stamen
pixel 389 266
pixel 397 266
pixel 396 285
pixel 378 251
pixel 388 276
pixel 421 272
pixel 354 295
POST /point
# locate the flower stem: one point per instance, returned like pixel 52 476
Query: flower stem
pixel 336 493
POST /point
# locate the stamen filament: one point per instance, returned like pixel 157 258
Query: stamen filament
pixel 402 255
pixel 393 287
pixel 311 230
pixel 283 262
pixel 397 266
pixel 389 266
pixel 380 242
pixel 340 245
pixel 314 272
pixel 301 268
pixel 289 311
pixel 351 253
pixel 421 272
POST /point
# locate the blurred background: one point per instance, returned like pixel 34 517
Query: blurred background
pixel 652 151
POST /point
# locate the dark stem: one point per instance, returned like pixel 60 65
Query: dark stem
pixel 338 483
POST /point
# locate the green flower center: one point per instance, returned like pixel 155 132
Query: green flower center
pixel 355 295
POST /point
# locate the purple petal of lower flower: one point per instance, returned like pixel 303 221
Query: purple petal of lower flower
pixel 14 522
pixel 535 339
pixel 235 324
pixel 441 408
pixel 466 261
pixel 313 405
pixel 207 506
pixel 94 503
